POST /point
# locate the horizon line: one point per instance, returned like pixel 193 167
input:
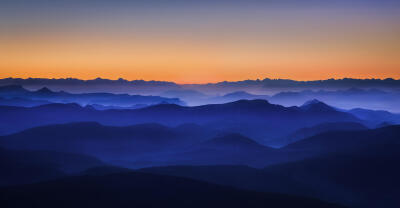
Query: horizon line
pixel 203 83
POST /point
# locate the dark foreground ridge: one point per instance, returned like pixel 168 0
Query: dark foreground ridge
pixel 143 190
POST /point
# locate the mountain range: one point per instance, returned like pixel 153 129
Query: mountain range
pixel 106 142
pixel 376 99
pixel 373 94
pixel 44 95
pixel 314 130
pixel 354 168
pixel 351 167
pixel 376 117
pixel 146 145
pixel 239 148
pixel 122 85
pixel 257 119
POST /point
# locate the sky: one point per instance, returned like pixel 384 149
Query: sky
pixel 200 41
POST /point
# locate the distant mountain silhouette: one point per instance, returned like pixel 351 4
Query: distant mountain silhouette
pixel 45 91
pixel 94 85
pixel 107 99
pixel 142 190
pixel 317 129
pixel 345 93
pixel 23 166
pixel 149 86
pixel 234 96
pixel 343 98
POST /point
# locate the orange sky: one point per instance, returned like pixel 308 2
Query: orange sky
pixel 296 47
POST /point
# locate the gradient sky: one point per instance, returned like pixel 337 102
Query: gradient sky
pixel 200 41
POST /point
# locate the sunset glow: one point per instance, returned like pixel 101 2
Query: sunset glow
pixel 201 43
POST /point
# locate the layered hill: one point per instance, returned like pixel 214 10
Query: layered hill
pixel 106 142
pixel 317 129
pixel 257 119
pixel 354 168
pixel 347 141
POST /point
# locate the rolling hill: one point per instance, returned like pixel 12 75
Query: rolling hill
pixel 106 142
pixel 314 130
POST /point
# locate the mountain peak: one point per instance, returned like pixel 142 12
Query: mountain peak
pixel 311 102
pixel 316 105
pixel 44 90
